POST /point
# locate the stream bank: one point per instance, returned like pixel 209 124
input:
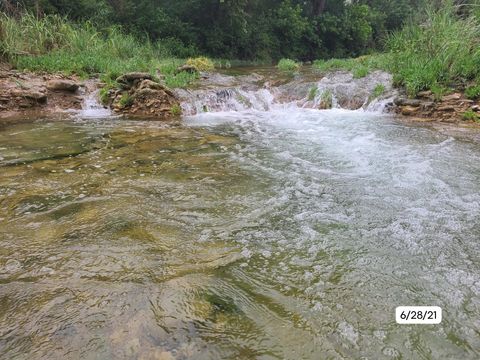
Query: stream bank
pixel 25 95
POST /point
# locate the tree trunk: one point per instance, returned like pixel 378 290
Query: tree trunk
pixel 318 7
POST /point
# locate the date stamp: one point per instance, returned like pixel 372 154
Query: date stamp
pixel 424 315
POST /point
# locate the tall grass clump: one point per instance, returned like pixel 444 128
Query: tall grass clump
pixel 360 67
pixel 288 65
pixel 53 44
pixel 442 51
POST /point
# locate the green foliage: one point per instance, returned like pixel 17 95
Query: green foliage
pixel 312 94
pixel 472 92
pixel 470 115
pixel 360 72
pixel 360 67
pixel 126 100
pixel 378 91
pixel 201 63
pixel 442 51
pixel 438 91
pixel 265 30
pixel 288 65
pixel 176 110
pixel 326 99
pixel 334 64
pixel 53 44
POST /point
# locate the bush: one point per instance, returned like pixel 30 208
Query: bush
pixel 288 65
pixel 201 63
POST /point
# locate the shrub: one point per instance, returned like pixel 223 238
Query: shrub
pixel 201 63
pixel 288 65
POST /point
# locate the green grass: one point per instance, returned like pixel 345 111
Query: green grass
pixel 378 91
pixel 312 94
pixel 53 44
pixel 438 54
pixel 443 51
pixel 470 115
pixel 360 67
pixel 176 110
pixel 327 99
pixel 288 65
pixel 473 92
pixel 126 100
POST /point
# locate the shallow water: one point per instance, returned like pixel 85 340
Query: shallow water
pixel 287 234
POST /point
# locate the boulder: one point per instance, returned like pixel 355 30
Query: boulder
pixel 142 96
pixel 62 85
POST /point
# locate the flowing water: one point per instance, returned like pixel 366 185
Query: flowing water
pixel 281 234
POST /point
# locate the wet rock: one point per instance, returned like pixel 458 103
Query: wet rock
pixel 62 85
pixel 402 101
pixel 409 110
pixel 352 93
pixel 424 94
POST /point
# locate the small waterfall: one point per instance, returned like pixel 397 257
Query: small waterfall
pixel 229 99
pixel 92 108
pixel 339 90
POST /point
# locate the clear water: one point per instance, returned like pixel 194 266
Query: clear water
pixel 287 234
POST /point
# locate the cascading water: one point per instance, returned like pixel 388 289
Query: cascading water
pixel 337 90
pixel 92 109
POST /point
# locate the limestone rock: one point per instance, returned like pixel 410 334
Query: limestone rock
pixel 31 94
pixel 62 85
pixel 142 96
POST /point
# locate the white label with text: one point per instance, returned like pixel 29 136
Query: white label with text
pixel 418 315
